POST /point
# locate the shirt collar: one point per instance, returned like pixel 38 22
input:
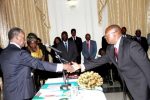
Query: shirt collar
pixel 15 44
pixel 87 41
pixel 74 37
pixel 117 44
pixel 65 42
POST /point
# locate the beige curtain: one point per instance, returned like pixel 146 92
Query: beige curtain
pixel 30 15
pixel 129 13
pixel 148 15
pixel 100 5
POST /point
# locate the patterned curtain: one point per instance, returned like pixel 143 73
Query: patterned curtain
pixel 100 5
pixel 129 13
pixel 148 15
pixel 30 15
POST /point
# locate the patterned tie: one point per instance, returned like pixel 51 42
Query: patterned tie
pixel 116 53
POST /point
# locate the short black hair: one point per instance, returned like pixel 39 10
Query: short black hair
pixel 73 30
pixel 64 32
pixel 14 32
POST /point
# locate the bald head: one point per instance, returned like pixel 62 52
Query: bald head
pixel 113 27
pixel 112 34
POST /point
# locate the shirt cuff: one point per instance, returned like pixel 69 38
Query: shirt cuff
pixel 82 67
pixel 59 68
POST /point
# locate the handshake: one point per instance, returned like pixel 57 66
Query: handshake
pixel 71 67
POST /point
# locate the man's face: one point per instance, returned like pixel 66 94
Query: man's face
pixel 73 33
pixel 64 37
pixel 21 39
pixel 138 33
pixel 123 30
pixel 87 37
pixel 110 36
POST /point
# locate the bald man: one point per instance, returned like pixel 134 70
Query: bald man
pixel 129 58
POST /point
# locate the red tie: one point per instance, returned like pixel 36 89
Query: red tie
pixel 116 53
pixel 88 46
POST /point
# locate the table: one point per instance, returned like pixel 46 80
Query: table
pixel 51 91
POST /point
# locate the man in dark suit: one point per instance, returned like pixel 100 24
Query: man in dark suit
pixel 89 48
pixel 68 48
pixel 124 33
pixel 141 40
pixel 16 65
pixel 78 42
pixel 129 58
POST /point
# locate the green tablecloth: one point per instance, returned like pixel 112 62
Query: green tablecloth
pixel 51 91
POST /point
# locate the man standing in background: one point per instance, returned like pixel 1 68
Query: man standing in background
pixel 68 48
pixel 141 40
pixel 78 42
pixel 89 49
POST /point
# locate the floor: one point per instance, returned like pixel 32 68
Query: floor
pixel 114 91
pixel 115 96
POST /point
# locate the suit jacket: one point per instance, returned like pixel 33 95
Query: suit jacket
pixel 16 65
pixel 69 55
pixel 93 50
pixel 143 42
pixel 133 66
pixel 78 43
pixel 104 43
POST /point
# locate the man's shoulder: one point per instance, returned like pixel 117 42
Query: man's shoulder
pixel 70 38
pixel 93 41
pixel 129 42
pixel 78 37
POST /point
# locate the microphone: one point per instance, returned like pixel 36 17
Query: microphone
pixel 53 48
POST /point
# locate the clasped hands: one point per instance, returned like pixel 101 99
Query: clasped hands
pixel 71 67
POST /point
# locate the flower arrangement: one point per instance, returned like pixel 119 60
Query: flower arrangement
pixel 90 80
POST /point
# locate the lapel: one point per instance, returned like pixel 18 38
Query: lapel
pixel 63 47
pixel 120 53
pixel 69 47
pixel 112 55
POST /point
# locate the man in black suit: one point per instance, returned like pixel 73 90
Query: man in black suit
pixel 16 65
pixel 78 42
pixel 130 59
pixel 124 33
pixel 68 48
pixel 141 40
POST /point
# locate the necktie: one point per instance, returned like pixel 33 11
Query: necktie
pixel 116 53
pixel 66 46
pixel 88 46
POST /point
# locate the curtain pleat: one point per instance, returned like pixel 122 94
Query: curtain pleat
pixel 30 15
pixel 129 13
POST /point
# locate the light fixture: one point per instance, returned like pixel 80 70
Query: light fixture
pixel 72 3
